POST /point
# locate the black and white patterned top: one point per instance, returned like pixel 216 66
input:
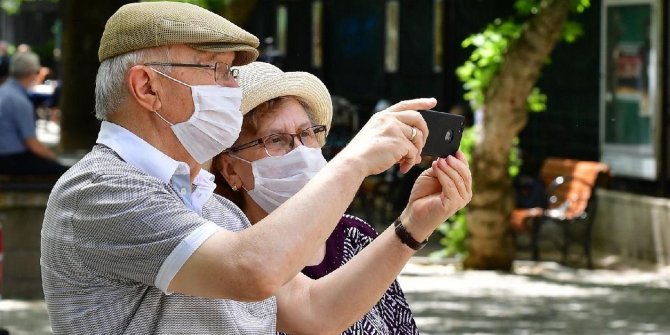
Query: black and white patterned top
pixel 391 315
pixel 109 228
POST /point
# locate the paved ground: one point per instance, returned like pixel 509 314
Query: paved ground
pixel 542 298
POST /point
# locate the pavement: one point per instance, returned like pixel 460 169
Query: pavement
pixel 539 298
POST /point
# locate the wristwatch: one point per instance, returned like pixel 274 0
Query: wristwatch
pixel 406 238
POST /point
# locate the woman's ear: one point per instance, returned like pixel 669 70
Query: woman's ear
pixel 144 87
pixel 226 167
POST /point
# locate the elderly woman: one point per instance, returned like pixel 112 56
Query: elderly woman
pixel 287 117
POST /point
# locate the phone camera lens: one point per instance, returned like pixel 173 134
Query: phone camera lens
pixel 449 136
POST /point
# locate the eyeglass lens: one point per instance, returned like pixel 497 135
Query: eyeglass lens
pixel 223 72
pixel 281 144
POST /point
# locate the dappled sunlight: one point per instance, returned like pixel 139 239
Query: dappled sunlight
pixel 565 301
pixel 24 317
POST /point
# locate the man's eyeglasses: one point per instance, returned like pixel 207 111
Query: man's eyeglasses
pixel 282 143
pixel 222 71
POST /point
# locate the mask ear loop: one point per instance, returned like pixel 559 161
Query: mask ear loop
pixel 162 118
pixel 244 160
pixel 159 115
pixel 238 157
pixel 173 79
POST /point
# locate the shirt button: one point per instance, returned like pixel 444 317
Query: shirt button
pixel 183 191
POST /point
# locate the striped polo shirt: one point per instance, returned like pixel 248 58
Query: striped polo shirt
pixel 118 226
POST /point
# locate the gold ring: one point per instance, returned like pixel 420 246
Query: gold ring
pixel 411 137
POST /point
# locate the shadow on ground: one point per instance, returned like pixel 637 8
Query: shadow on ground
pixel 541 298
pixel 558 301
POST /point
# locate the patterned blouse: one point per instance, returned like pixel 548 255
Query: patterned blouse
pixel 391 315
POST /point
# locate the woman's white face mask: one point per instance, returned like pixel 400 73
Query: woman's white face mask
pixel 276 179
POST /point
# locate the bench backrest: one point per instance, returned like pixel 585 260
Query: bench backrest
pixel 10 183
pixel 581 178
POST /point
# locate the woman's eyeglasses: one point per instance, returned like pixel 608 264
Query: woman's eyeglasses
pixel 282 143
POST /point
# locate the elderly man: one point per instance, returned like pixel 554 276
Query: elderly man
pixel 126 247
pixel 20 151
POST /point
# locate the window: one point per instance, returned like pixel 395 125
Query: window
pixel 438 26
pixel 282 21
pixel 391 45
pixel 629 107
pixel 317 19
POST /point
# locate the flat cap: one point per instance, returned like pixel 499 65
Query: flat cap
pixel 150 24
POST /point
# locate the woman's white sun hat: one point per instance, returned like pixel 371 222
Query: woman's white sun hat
pixel 261 82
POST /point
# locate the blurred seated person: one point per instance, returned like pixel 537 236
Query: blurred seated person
pixel 20 151
pixel 23 47
pixel 42 75
pixel 287 117
pixel 4 61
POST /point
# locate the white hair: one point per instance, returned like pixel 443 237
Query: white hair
pixel 23 64
pixel 110 87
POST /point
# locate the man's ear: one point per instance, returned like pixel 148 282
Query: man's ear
pixel 143 87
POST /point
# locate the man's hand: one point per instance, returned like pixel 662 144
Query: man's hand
pixel 385 138
pixel 437 194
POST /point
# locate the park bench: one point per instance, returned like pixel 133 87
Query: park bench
pixel 569 202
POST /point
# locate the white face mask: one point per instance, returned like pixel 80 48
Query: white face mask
pixel 276 179
pixel 216 121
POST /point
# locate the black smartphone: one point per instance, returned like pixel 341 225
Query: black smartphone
pixel 445 133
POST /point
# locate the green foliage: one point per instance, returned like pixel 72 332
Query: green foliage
pixel 455 230
pixel 572 31
pixel 488 54
pixel 489 50
pixel 490 47
pixel 12 7
pixel 454 236
pixel 537 101
pixel 580 6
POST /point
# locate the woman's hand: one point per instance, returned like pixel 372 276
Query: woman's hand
pixel 437 194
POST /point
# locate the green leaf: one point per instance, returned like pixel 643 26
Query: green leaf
pixel 537 101
pixel 11 7
pixel 579 6
pixel 572 31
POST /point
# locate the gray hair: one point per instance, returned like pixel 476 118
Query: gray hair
pixel 110 86
pixel 23 64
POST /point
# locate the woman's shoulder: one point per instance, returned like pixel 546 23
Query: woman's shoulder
pixel 348 222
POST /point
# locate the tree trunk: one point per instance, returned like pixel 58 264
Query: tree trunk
pixel 83 23
pixel 239 11
pixel 491 244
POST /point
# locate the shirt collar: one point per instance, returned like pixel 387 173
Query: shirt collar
pixel 137 152
pixel 142 155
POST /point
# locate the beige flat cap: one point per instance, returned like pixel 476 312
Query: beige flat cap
pixel 150 24
pixel 261 82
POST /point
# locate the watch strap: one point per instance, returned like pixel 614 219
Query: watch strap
pixel 406 238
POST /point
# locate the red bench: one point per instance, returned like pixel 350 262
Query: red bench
pixel 571 203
